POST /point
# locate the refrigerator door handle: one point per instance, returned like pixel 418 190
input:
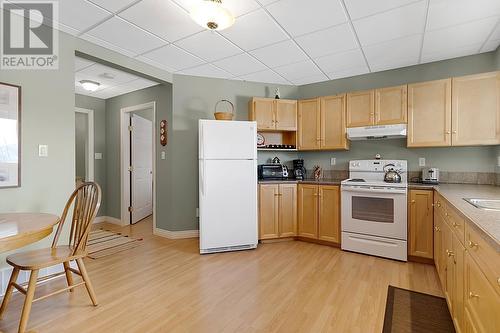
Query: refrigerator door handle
pixel 202 143
pixel 203 183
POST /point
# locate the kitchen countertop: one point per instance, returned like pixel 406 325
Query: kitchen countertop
pixel 324 181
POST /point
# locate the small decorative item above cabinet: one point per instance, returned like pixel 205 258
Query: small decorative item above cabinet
pixel 273 114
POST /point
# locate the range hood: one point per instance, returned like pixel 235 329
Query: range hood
pixel 377 132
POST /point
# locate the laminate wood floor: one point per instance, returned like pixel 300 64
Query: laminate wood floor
pixel 166 286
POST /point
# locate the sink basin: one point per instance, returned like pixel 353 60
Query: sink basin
pixel 486 204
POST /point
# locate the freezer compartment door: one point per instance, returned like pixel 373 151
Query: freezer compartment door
pixel 228 203
pixel 230 140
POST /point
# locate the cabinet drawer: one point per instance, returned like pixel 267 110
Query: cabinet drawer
pixel 456 222
pixel 481 301
pixel 440 205
pixel 485 255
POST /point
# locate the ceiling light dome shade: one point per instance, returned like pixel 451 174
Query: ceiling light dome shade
pixel 210 14
pixel 90 85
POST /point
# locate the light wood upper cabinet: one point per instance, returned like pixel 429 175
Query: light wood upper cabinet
pixel 287 210
pixel 273 114
pixel 308 211
pixel 429 114
pixel 476 109
pixel 309 124
pixel 277 210
pixel 261 110
pixel 268 211
pixel 420 224
pixel 329 213
pixel 333 122
pixel 361 108
pixel 391 105
pixel 286 114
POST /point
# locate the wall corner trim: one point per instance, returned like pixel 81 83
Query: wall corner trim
pixel 176 234
pixel 109 219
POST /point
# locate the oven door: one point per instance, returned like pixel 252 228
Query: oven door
pixel 373 210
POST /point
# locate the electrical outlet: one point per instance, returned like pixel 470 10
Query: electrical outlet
pixel 163 155
pixel 98 156
pixel 333 161
pixel 421 161
pixel 43 150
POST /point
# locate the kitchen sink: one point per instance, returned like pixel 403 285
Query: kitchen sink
pixel 486 204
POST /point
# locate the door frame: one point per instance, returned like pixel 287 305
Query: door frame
pixel 89 167
pixel 125 156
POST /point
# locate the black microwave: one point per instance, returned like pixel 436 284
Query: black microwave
pixel 272 171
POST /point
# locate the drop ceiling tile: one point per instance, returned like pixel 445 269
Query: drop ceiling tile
pixel 341 61
pixel 458 35
pixel 496 33
pixel 266 76
pixel 113 5
pixel 207 70
pixel 387 65
pixel 254 30
pixel 155 64
pixel 173 57
pixel 395 50
pixel 279 54
pixel 209 46
pixel 163 18
pixel 451 53
pixel 396 23
pixel 349 72
pixel 332 40
pixel 80 14
pixel 81 63
pixel 299 17
pixel 135 85
pixel 267 2
pixel 310 79
pixel 491 45
pixel 236 7
pixel 298 70
pixel 445 13
pixel 240 64
pixel 126 36
pixel 107 45
pixel 362 8
pixel 108 75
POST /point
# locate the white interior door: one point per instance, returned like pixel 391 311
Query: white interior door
pixel 142 168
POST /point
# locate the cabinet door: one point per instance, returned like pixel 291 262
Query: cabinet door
pixel 391 105
pixel 287 210
pixel 448 262
pixel 361 108
pixel 286 115
pixel 421 223
pixel 457 302
pixel 262 111
pixel 308 210
pixel 309 124
pixel 476 110
pixel 333 122
pixel 268 211
pixel 429 114
pixel 439 247
pixel 329 213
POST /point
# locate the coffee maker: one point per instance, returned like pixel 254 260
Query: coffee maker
pixel 298 169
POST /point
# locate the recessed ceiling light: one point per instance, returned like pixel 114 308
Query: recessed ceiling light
pixel 211 15
pixel 90 85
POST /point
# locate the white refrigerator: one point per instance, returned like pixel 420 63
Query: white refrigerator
pixel 227 185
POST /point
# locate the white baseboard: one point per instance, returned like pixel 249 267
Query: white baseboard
pixel 108 219
pixel 176 234
pixel 23 277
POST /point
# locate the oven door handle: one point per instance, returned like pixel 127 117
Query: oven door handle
pixel 373 190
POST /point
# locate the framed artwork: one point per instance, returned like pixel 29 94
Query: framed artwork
pixel 10 135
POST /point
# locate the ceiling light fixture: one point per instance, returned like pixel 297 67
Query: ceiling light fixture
pixel 90 85
pixel 212 15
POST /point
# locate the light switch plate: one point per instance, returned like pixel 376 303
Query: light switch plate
pixel 43 150
pixel 421 161
pixel 163 155
pixel 98 156
pixel 333 161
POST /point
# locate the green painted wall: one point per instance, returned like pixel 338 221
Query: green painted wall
pixel 162 95
pixel 195 98
pixel 81 137
pixel 99 107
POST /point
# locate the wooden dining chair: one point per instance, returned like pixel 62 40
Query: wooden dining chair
pixel 85 201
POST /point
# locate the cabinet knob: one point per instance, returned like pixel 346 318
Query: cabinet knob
pixel 472 244
pixel 413 201
pixel 454 132
pixel 437 229
pixel 450 253
pixel 456 225
pixel 448 132
pixel 472 295
pixel 498 281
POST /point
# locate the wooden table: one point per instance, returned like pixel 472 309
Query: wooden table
pixel 20 229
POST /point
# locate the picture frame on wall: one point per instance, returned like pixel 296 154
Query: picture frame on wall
pixel 10 135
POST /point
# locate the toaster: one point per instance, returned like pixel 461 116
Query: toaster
pixel 274 171
pixel 430 176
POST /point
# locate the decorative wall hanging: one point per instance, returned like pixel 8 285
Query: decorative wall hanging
pixel 163 132
pixel 10 135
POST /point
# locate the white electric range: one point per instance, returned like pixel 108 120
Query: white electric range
pixel 374 212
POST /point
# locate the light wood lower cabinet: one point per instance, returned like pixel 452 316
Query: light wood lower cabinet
pixel 420 223
pixel 319 212
pixel 277 210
